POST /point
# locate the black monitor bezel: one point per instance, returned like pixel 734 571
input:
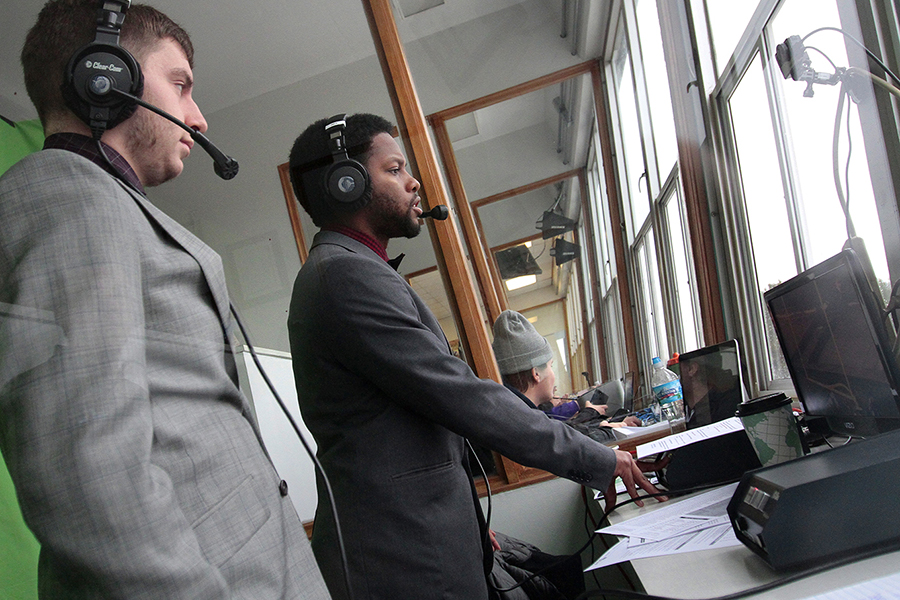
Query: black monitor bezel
pixel 700 352
pixel 850 425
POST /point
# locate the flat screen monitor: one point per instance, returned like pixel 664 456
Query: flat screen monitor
pixel 837 345
pixel 711 383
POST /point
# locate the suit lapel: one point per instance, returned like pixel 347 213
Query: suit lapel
pixel 206 257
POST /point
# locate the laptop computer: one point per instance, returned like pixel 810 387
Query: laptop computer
pixel 711 383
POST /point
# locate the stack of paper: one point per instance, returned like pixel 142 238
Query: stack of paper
pixel 695 523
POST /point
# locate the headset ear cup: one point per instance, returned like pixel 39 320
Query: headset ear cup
pixel 346 182
pixel 89 76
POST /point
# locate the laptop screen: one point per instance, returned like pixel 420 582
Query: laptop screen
pixel 711 383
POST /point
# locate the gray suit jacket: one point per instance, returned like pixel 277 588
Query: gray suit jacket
pixel 137 461
pixel 389 406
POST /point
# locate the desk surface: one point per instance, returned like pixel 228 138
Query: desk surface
pixel 711 573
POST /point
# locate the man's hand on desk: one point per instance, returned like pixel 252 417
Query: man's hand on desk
pixel 629 421
pixel 632 474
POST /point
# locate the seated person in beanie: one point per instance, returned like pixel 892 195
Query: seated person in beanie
pixel 526 365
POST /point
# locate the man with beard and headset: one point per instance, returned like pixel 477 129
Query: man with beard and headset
pixel 388 404
pixel 137 460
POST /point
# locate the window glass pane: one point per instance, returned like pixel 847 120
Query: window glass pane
pixel 651 313
pixel 684 288
pixel 596 200
pixel 643 279
pixel 727 21
pixel 654 65
pixel 812 122
pixel 584 271
pixel 764 196
pixel 613 332
pixel 658 316
pixel 632 156
pixel 605 248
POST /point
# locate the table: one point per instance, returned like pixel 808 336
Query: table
pixel 712 573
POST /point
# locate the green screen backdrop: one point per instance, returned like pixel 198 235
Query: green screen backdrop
pixel 18 548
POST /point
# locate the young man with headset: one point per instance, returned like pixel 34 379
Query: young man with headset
pixel 137 461
pixel 388 404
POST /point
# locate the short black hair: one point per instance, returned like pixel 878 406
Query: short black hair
pixel 310 158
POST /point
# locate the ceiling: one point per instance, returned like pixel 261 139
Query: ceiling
pixel 254 44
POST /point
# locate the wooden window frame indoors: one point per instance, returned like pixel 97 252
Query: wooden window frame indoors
pixel 290 200
pixel 513 475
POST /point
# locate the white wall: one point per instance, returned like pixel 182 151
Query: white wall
pixel 287 452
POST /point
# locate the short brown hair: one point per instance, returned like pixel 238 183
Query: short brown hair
pixel 520 380
pixel 65 26
pixel 523 379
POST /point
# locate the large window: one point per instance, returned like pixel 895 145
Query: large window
pixel 779 161
pixel 659 260
pixel 795 153
pixel 609 311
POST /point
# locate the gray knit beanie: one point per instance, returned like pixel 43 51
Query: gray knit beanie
pixel 517 344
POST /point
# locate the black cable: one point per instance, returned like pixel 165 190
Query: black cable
pixel 596 526
pixel 890 311
pixel 306 446
pixel 543 249
pixel 858 43
pixel 589 528
pixel 847 165
pixel 486 541
pixel 835 163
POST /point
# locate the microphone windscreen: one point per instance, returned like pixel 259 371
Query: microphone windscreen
pixel 438 213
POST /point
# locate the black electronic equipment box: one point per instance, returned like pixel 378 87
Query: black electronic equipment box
pixel 823 506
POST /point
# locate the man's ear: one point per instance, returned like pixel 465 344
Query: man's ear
pixel 535 376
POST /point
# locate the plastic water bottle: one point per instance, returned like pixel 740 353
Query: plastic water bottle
pixel 666 391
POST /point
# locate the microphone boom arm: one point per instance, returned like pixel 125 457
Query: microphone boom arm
pixel 224 166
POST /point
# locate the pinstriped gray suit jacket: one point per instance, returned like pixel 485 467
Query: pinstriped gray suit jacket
pixel 136 458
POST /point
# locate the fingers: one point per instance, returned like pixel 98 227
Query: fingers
pixel 610 496
pixel 653 466
pixel 626 469
pixel 494 543
pixel 648 487
pixel 633 477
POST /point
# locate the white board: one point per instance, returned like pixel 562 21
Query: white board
pixel 288 455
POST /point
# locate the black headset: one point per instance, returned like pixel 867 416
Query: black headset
pixel 98 68
pixel 346 180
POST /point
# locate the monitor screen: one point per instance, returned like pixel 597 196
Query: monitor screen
pixel 711 383
pixel 837 346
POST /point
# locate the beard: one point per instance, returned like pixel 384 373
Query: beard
pixel 393 217
pixel 147 142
